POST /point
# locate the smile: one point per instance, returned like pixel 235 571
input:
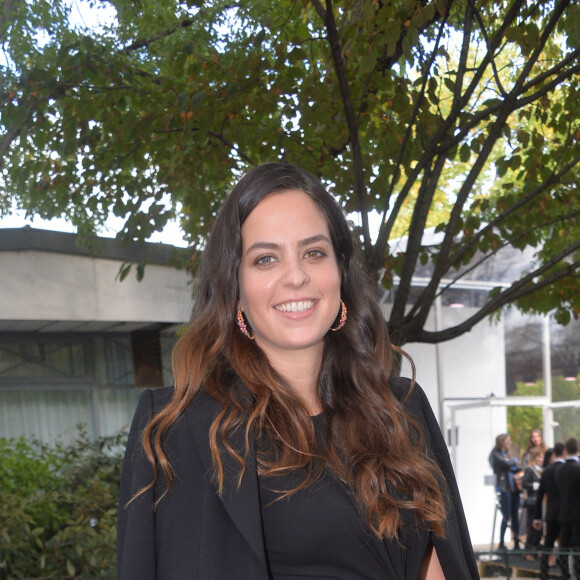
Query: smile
pixel 295 306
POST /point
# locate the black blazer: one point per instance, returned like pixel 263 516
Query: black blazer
pixel 528 480
pixel 195 534
pixel 568 479
pixel 549 488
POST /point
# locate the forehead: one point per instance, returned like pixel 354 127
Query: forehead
pixel 285 214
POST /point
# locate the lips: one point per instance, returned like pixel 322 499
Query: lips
pixel 298 306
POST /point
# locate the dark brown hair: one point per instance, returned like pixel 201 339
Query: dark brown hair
pixel 372 444
pixel 499 442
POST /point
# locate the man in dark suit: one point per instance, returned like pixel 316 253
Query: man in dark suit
pixel 549 488
pixel 568 481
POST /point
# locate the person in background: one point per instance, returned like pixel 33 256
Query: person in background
pixel 536 440
pixel 504 465
pixel 530 486
pixel 549 488
pixel 288 447
pixel 568 481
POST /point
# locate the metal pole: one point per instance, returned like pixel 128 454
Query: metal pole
pixel 440 386
pixel 547 412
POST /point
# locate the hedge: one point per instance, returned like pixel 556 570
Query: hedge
pixel 58 507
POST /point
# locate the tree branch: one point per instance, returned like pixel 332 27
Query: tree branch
pixel 552 180
pixel 231 145
pixel 523 287
pixel 386 226
pixel 12 133
pixel 351 120
pixel 475 264
pixel 145 42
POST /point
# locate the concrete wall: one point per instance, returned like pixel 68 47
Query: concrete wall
pixel 37 285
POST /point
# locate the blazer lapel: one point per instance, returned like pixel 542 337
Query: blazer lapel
pixel 241 502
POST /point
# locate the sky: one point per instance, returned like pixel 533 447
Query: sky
pixel 171 234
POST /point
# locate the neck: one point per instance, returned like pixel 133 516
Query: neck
pixel 301 369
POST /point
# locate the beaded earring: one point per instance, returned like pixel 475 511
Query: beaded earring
pixel 242 324
pixel 342 317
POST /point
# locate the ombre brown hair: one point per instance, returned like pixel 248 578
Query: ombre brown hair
pixel 372 444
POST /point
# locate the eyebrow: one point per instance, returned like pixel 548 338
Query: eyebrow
pixel 273 246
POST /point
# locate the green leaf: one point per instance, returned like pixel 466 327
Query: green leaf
pixel 124 271
pixel 464 153
pixel 369 61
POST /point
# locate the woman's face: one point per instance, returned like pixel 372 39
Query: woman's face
pixel 536 438
pixel 506 444
pixel 289 279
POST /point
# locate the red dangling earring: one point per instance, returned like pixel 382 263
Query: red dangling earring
pixel 242 324
pixel 342 320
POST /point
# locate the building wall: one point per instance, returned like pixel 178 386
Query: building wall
pixel 75 340
pixel 462 372
pixel 39 285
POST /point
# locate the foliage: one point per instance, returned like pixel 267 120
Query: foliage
pixel 453 114
pixel 521 420
pixel 58 508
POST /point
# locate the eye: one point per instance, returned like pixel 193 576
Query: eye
pixel 264 260
pixel 315 254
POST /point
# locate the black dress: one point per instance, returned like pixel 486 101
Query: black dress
pixel 319 533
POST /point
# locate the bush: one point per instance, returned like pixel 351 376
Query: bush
pixel 58 507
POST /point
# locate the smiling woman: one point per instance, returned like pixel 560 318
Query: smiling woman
pixel 286 450
pixel 289 280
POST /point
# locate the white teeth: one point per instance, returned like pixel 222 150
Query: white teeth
pixel 295 306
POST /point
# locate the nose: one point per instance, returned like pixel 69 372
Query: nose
pixel 295 274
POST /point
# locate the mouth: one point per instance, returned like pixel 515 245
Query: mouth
pixel 299 306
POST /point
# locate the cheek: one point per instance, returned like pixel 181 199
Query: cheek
pixel 241 289
pixel 334 280
pixel 251 288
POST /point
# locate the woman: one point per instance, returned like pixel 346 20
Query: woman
pixel 285 449
pixel 505 466
pixel 530 485
pixel 536 440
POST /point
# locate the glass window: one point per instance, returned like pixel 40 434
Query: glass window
pixel 42 358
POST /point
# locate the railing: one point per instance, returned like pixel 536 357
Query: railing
pixel 566 565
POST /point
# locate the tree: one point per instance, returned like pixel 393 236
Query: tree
pixel 457 114
pixel 522 420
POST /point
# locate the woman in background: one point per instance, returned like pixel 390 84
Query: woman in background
pixel 530 485
pixel 536 440
pixel 505 465
pixel 287 448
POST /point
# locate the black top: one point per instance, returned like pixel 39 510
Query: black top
pixel 197 533
pixel 319 533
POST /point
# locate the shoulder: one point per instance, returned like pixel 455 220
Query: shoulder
pixel 152 401
pixel 410 394
pixel 414 401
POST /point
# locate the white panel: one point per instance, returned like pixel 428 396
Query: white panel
pixel 49 286
pixel 469 367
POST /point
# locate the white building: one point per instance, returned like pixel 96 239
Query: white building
pixel 75 341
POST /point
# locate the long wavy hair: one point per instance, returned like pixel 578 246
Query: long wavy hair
pixel 372 444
